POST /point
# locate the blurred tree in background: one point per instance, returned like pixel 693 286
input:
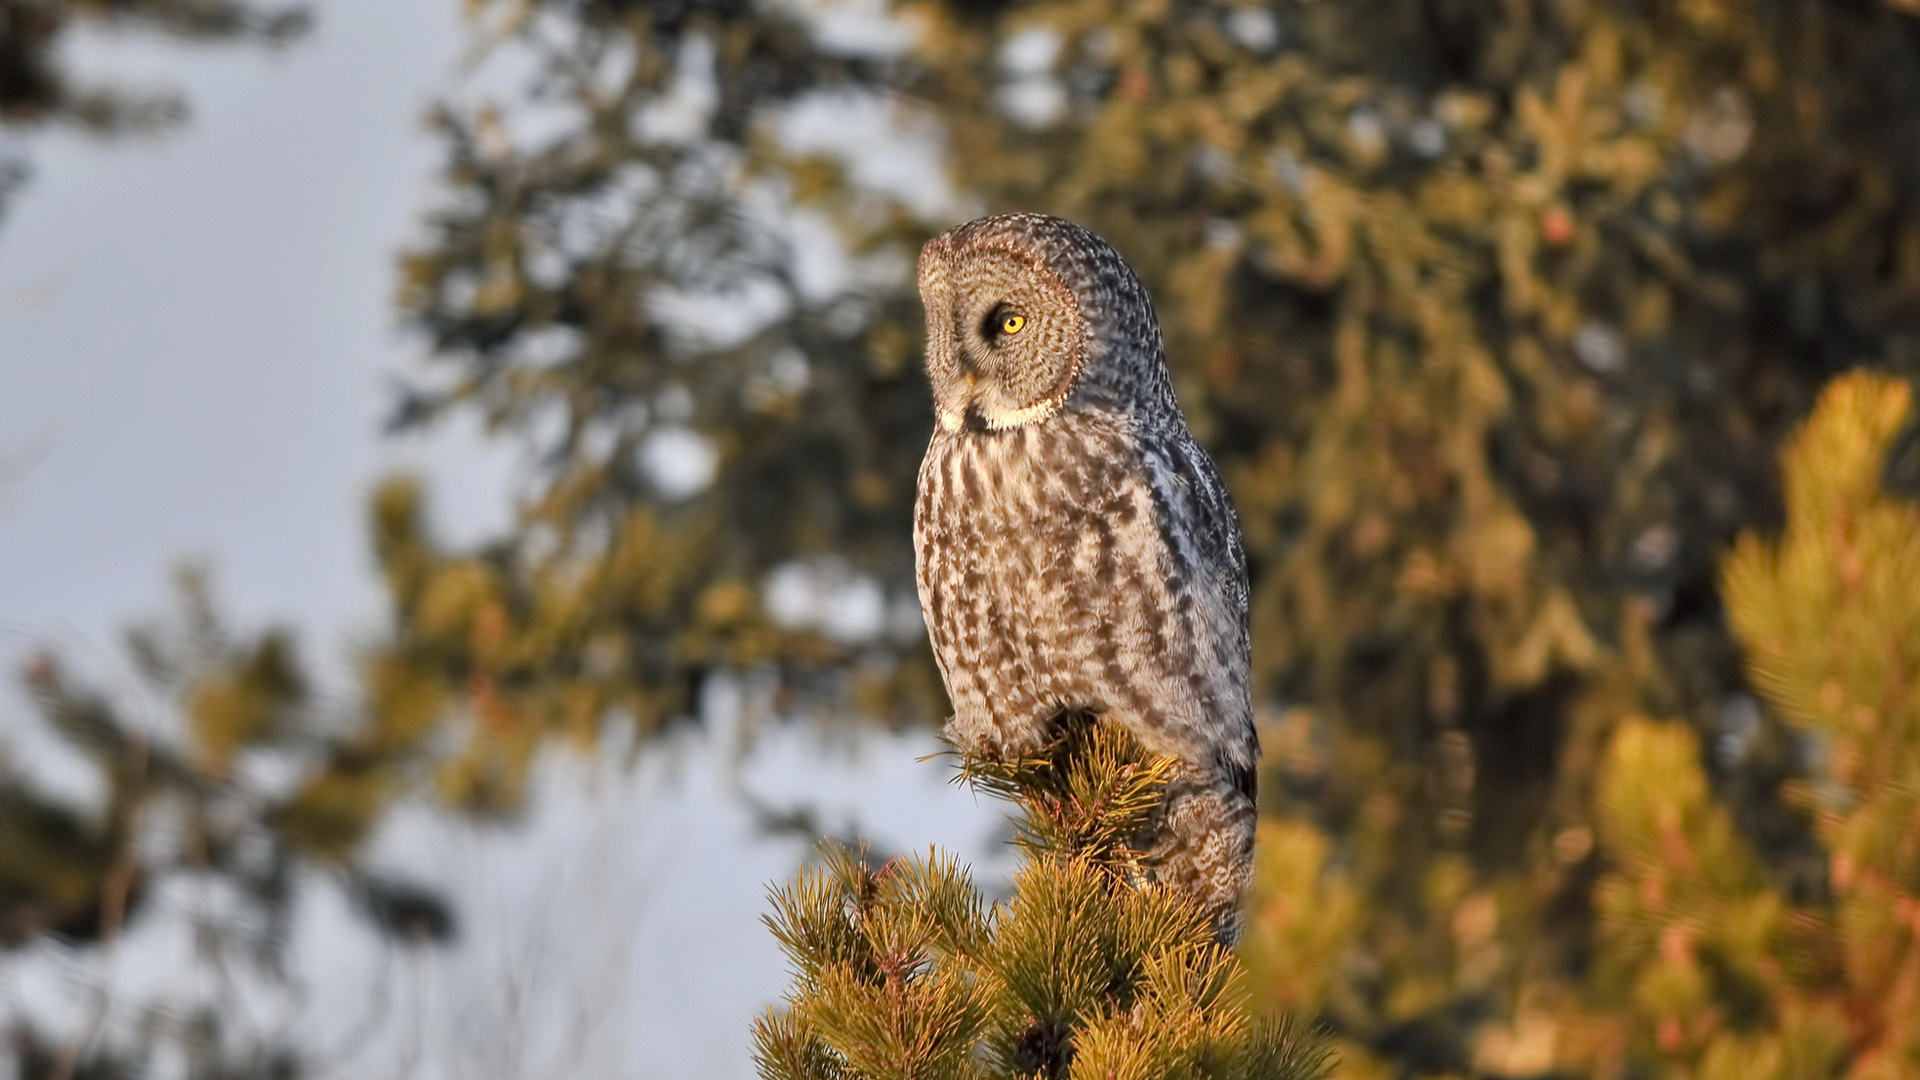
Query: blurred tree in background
pixel 176 828
pixel 1706 964
pixel 1496 314
pixel 205 823
pixel 37 89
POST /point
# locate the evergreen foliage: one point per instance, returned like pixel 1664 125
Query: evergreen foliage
pixel 1706 961
pixel 208 815
pixel 1830 618
pixel 1085 971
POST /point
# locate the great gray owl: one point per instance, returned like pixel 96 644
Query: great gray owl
pixel 1075 549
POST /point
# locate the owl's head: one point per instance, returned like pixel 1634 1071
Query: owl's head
pixel 1024 313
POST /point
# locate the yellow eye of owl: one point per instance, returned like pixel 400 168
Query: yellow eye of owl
pixel 1012 324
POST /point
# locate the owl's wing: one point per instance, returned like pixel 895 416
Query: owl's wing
pixel 1216 527
pixel 1203 531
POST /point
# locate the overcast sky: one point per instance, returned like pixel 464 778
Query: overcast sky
pixel 197 339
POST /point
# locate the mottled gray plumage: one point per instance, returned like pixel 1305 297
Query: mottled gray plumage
pixel 1075 546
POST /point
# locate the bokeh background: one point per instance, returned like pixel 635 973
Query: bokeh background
pixel 456 462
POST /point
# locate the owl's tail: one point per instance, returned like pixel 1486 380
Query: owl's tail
pixel 1203 844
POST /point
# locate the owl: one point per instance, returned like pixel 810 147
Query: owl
pixel 1075 549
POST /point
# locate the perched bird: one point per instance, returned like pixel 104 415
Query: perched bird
pixel 1075 549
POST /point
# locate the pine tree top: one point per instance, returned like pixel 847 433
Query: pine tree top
pixel 1086 971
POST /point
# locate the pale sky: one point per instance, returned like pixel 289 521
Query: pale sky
pixel 197 339
pixel 197 334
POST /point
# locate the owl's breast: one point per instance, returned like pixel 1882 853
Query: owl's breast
pixel 1051 577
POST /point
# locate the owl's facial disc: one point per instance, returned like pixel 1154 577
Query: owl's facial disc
pixel 1004 337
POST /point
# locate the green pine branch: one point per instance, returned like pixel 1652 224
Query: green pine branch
pixel 906 971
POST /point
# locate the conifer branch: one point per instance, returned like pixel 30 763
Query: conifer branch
pixel 1086 971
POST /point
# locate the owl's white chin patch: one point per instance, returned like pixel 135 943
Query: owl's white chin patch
pixel 1001 419
pixel 981 414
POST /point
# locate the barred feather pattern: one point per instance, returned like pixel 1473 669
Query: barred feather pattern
pixel 1075 547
